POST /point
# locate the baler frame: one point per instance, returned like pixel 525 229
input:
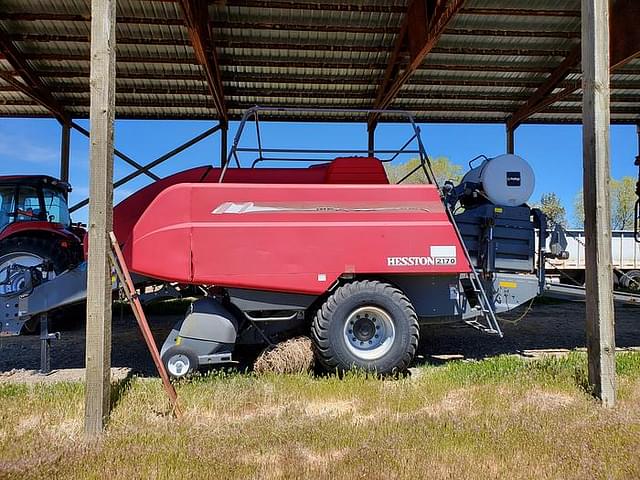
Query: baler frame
pixel 425 161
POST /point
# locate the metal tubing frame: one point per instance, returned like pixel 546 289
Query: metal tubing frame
pixel 155 163
pixel 425 161
pixel 65 150
pixel 116 152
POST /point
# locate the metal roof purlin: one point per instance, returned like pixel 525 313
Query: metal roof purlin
pixel 536 101
pixel 196 15
pixel 31 84
pixel 624 46
pixel 422 26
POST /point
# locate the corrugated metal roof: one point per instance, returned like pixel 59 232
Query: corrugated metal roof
pixel 491 58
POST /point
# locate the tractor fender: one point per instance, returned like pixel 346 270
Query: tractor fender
pixel 39 229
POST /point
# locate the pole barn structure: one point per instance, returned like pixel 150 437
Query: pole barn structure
pixel 465 61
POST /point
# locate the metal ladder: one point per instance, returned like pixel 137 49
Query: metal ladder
pixel 475 290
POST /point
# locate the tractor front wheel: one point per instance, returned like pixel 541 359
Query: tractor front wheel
pixel 368 325
pixel 29 252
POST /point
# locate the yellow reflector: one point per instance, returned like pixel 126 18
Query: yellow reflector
pixel 508 284
pixel 497 210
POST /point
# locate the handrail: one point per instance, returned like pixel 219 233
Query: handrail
pixel 425 161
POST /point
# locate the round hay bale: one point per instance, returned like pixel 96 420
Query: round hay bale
pixel 291 356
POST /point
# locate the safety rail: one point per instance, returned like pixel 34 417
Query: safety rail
pixel 260 150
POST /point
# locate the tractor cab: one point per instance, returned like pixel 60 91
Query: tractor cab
pixel 33 199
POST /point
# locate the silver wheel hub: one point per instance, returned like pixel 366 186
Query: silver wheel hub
pixel 178 365
pixel 369 332
pixel 13 270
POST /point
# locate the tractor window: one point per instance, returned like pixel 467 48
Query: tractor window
pixel 57 208
pixel 7 207
pixel 28 208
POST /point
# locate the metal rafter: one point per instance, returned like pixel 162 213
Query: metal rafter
pixel 34 88
pixel 624 46
pixel 558 75
pixel 196 15
pixel 30 83
pixel 422 26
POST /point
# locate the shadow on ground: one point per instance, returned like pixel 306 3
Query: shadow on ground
pixel 547 326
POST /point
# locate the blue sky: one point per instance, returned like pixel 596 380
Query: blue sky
pixel 32 146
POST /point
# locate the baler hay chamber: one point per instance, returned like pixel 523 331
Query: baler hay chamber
pixel 331 250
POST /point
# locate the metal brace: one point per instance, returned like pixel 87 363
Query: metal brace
pixel 45 345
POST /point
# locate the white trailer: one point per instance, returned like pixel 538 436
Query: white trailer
pixel 625 253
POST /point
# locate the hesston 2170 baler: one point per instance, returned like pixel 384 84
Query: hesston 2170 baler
pixel 332 250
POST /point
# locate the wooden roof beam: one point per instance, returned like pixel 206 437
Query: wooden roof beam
pixel 624 46
pixel 29 83
pixel 196 16
pixel 422 26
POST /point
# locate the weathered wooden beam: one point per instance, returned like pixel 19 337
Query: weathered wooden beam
pixel 596 178
pixel 29 83
pixel 102 112
pixel 196 15
pixel 422 26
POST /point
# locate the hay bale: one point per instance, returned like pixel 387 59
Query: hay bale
pixel 291 356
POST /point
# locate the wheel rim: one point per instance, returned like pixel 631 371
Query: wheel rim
pixel 634 283
pixel 369 333
pixel 178 365
pixel 16 281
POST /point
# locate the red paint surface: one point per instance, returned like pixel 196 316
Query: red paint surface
pixel 28 227
pixel 330 219
pixel 351 170
pixel 178 238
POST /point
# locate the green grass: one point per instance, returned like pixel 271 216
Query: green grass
pixel 504 417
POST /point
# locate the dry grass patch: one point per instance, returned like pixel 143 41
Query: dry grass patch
pixel 500 418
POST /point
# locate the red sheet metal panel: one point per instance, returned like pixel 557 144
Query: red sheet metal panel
pixel 297 238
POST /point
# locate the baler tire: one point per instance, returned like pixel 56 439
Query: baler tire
pixel 329 328
pixel 48 250
pixel 186 352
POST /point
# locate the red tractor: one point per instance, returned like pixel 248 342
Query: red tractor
pixel 35 228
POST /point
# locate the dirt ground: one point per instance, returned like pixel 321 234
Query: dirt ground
pixel 548 326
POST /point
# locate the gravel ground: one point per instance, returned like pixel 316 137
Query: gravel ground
pixel 548 326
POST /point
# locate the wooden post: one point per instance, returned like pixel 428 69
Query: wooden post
pixel 597 223
pixel 102 107
pixel 224 135
pixel 511 139
pixel 65 145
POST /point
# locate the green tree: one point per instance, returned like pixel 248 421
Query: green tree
pixel 552 207
pixel 623 198
pixel 443 169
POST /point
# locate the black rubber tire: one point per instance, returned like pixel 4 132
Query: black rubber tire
pixel 632 281
pixel 179 350
pixel 47 249
pixel 328 327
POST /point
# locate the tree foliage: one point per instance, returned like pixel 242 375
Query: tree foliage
pixel 443 170
pixel 551 206
pixel 623 198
